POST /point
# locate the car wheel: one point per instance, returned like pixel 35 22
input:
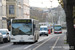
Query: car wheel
pixel 40 34
pixel 2 42
pixel 5 40
pixel 47 34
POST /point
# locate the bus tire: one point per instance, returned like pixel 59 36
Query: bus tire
pixel 36 41
pixel 14 42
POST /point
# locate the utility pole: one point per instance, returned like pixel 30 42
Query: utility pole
pixel 1 14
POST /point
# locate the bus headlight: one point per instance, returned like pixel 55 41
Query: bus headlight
pixel 0 33
pixel 31 38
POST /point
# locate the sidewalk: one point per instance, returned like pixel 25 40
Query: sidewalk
pixel 66 46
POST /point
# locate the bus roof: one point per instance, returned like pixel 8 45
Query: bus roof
pixel 23 19
pixel 43 26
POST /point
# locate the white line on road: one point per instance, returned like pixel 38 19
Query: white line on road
pixel 55 43
pixel 41 44
pixel 28 46
pixel 37 42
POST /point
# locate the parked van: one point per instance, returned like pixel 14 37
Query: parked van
pixel 43 30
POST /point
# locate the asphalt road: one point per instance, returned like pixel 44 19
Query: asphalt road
pixel 51 42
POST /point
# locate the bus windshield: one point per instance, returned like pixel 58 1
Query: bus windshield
pixel 21 28
pixel 58 28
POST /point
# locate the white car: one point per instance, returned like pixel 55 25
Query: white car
pixel 5 35
pixel 10 34
pixel 1 38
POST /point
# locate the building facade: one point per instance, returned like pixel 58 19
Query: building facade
pixel 10 9
pixel 23 9
pixel 26 9
pixel 3 22
pixel 18 9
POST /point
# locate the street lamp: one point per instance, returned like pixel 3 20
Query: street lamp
pixel 51 3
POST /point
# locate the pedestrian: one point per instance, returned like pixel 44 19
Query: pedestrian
pixel 51 30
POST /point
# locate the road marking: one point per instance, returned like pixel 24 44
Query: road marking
pixel 28 46
pixel 5 46
pixel 36 42
pixel 55 43
pixel 41 44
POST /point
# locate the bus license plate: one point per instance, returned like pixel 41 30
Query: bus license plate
pixel 21 41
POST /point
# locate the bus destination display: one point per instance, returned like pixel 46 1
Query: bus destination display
pixel 21 21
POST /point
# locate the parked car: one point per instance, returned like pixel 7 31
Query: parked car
pixel 10 33
pixel 5 34
pixel 1 38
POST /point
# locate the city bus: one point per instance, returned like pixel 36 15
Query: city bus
pixel 24 30
pixel 57 29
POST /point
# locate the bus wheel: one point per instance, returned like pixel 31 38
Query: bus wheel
pixel 36 41
pixel 14 42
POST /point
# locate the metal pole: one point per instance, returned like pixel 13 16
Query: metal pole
pixel 51 7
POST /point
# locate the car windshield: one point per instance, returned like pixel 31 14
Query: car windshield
pixel 3 32
pixel 57 28
pixel 43 29
pixel 21 28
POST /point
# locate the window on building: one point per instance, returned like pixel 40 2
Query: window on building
pixel 11 9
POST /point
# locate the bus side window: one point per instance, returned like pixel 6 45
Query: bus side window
pixel 34 28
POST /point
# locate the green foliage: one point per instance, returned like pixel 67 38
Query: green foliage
pixel 61 2
pixel 66 43
pixel 34 17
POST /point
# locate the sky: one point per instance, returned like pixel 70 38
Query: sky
pixel 43 3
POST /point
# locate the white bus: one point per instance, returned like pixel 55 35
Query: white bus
pixel 24 30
